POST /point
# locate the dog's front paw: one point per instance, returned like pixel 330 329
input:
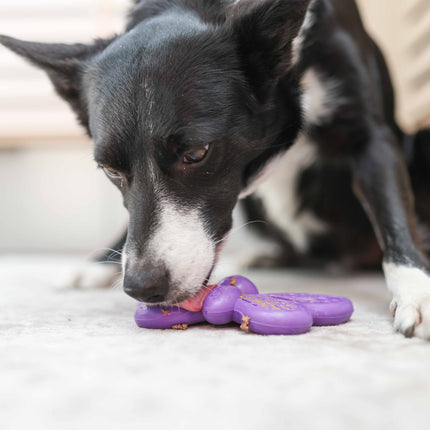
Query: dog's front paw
pixel 411 300
pixel 90 275
pixel 412 318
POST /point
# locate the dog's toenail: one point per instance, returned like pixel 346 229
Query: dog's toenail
pixel 409 332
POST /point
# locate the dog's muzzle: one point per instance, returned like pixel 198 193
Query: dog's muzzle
pixel 149 286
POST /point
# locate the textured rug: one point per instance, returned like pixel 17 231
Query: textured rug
pixel 75 359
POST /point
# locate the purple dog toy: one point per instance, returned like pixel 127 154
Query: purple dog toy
pixel 224 296
pixel 264 314
pixel 325 310
pixel 219 303
pixel 236 299
pixel 165 317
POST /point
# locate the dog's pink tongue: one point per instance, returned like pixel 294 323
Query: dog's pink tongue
pixel 195 304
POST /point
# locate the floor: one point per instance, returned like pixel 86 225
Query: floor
pixel 75 359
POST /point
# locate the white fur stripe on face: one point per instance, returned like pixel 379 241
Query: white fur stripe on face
pixel 411 299
pixel 182 245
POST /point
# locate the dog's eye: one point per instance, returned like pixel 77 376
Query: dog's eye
pixel 196 156
pixel 112 173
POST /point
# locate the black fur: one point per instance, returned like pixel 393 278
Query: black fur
pixel 187 73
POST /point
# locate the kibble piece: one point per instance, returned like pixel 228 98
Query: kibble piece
pixel 180 326
pixel 245 323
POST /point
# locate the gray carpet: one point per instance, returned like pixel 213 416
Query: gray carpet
pixel 75 359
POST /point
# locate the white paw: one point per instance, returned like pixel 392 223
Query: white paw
pixel 412 319
pixel 90 275
pixel 411 300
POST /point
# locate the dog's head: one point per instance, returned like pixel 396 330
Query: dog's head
pixel 184 109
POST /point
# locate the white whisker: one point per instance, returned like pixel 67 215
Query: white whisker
pixel 107 262
pixel 235 230
pixel 96 251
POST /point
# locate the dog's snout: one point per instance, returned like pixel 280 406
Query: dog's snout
pixel 147 286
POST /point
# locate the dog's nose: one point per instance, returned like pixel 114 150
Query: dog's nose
pixel 147 286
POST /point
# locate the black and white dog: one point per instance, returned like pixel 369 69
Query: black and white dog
pixel 286 103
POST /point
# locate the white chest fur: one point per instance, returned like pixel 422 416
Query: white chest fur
pixel 276 184
pixel 277 190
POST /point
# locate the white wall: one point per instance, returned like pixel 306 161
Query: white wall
pixel 54 199
pixel 401 29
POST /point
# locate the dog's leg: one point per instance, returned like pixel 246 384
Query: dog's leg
pixel 382 184
pixel 102 272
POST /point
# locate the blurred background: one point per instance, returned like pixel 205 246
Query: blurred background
pixel 72 360
pixel 52 197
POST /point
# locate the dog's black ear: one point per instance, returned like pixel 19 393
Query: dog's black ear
pixel 265 31
pixel 63 64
